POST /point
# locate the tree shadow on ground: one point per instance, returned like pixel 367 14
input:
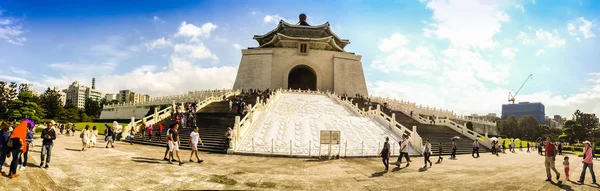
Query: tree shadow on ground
pixel 70 149
pixel 561 185
pixel 377 174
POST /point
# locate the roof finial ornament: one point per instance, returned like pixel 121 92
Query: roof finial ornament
pixel 302 18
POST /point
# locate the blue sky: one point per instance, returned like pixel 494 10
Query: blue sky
pixel 460 55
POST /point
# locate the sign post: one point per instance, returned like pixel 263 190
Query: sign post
pixel 330 137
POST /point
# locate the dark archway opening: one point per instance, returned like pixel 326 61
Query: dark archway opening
pixel 302 77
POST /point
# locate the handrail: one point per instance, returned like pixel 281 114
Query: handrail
pixel 242 126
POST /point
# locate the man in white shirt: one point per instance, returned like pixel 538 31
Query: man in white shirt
pixel 475 148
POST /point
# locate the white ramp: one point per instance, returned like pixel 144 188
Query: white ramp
pixel 294 122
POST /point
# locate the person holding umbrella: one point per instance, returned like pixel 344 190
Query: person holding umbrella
pixel 16 145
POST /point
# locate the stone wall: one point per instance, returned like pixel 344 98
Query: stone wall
pixel 270 67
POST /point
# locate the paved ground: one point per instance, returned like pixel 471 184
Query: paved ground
pixel 140 168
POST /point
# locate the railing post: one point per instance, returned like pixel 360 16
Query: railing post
pixel 362 148
pixel 393 121
pixel 290 147
pixel 252 144
pixel 378 145
pixel 346 149
pixel 271 145
pixel 309 146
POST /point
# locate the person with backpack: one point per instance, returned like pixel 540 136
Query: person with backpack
pixel 385 153
pixel 24 156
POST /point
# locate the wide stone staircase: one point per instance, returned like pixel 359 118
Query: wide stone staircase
pixel 212 120
pixel 435 133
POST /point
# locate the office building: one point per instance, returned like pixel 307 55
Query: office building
pixel 536 110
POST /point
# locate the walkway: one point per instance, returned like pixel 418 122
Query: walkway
pixel 139 167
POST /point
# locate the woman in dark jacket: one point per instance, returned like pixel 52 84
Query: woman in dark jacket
pixel 3 140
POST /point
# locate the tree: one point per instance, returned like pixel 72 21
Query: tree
pixel 573 130
pixel 588 122
pixel 508 126
pixel 25 107
pixel 92 108
pixel 8 92
pixel 70 113
pixel 50 101
pixel 470 126
pixel 529 128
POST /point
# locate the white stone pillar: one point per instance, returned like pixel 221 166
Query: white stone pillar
pixel 393 121
pixel 156 120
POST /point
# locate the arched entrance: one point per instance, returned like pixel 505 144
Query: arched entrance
pixel 302 77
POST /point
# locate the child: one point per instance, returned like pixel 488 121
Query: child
pixel 566 164
pixel 194 139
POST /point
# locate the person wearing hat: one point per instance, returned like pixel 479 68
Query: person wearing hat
pixel 587 162
pixel 48 136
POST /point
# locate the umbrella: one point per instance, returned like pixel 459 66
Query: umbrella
pixel 20 131
pixel 494 138
pixel 517 139
pixel 455 137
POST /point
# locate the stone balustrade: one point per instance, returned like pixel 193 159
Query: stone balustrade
pixel 428 111
pixel 190 96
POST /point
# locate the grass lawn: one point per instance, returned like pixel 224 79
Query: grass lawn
pixel 100 126
pixel 517 142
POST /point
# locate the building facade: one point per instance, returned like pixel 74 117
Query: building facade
pixel 110 97
pixel 77 94
pixel 301 57
pixel 536 110
pixel 128 96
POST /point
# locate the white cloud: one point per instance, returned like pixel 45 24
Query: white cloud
pixel 552 40
pixel 238 47
pixel 11 30
pixel 474 64
pixel 466 23
pixel 193 32
pixel 159 43
pixel 395 41
pixel 509 52
pixel 273 18
pixel 533 1
pixel 518 6
pixel 155 18
pixel 542 37
pixel 539 52
pixel 488 100
pixel 19 71
pixel 525 39
pixel 580 26
pixel 194 51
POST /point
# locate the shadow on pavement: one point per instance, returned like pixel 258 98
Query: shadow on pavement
pixel 145 158
pixel 146 161
pixel 561 185
pixel 397 168
pixel 423 169
pixel 317 160
pixel 70 149
pixel 377 174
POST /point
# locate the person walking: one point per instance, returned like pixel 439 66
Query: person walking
pixel 72 129
pixel 48 136
pixel 427 153
pixel 475 148
pixel 15 145
pixel 94 136
pixel 85 137
pixel 117 131
pixel 167 152
pixel 440 151
pixel 550 159
pixel 560 148
pixel 149 129
pixel 160 129
pixel 23 157
pixel 403 152
pixel 520 145
pixel 566 167
pixel 587 162
pixel 3 143
pixel 131 135
pixel 453 155
pixel 229 135
pixel 174 143
pixel 193 141
pixel 527 146
pixel 385 154
pixel 110 134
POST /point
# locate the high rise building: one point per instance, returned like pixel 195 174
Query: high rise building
pixel 77 94
pixel 128 96
pixel 536 110
pixel 110 97
pixel 62 95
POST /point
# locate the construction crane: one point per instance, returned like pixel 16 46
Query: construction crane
pixel 511 98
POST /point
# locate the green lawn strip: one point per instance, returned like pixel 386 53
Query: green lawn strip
pixel 100 126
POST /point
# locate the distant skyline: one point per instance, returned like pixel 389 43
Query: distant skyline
pixel 462 55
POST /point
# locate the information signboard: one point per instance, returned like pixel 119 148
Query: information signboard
pixel 325 137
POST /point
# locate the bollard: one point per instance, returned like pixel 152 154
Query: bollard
pixel 309 145
pixel 362 147
pixel 271 145
pixel 345 149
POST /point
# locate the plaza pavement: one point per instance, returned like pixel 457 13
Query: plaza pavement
pixel 140 167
